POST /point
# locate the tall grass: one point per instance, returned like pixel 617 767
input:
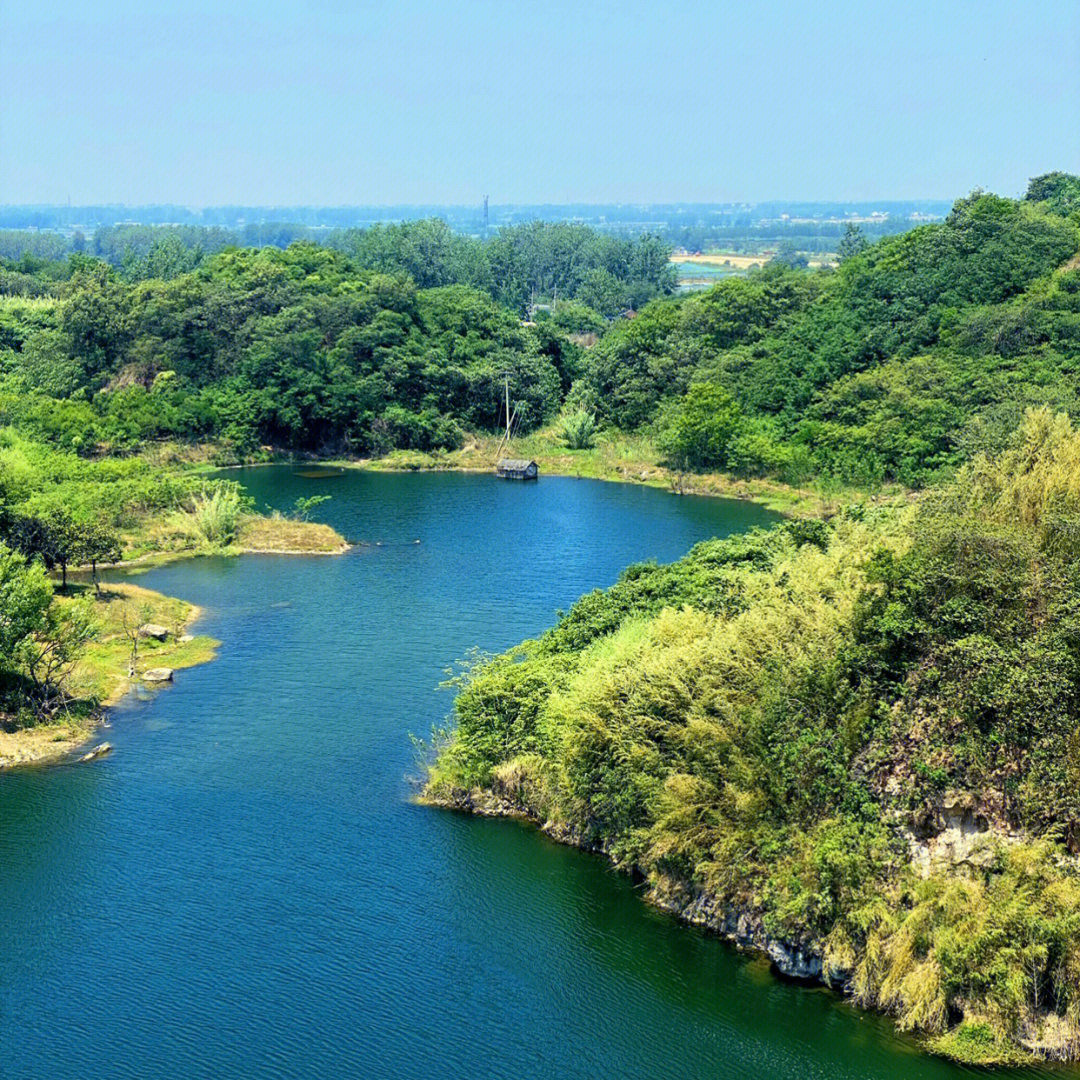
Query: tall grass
pixel 216 511
pixel 744 726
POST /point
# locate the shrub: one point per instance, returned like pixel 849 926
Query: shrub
pixel 696 431
pixel 216 512
pixel 578 429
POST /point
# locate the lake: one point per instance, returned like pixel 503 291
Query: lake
pixel 244 888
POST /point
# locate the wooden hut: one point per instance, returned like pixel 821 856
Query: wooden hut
pixel 517 469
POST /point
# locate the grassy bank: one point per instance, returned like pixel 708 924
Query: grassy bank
pixel 103 673
pixel 59 509
pixel 634 459
pixel 174 536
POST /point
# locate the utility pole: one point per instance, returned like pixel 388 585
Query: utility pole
pixel 508 411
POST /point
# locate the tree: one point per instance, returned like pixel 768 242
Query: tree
pixel 852 243
pixel 97 543
pixel 603 292
pixel 788 255
pixel 1060 190
pixel 578 429
pixel 696 431
pixel 59 539
pixel 305 504
pixel 39 638
pixel 49 654
pixel 92 316
pixel 25 596
pixel 47 364
pixel 132 617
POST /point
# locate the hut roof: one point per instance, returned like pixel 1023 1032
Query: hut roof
pixel 515 464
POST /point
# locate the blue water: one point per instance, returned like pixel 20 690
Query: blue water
pixel 244 889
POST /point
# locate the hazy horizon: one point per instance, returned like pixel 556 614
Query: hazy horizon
pixel 478 204
pixel 289 104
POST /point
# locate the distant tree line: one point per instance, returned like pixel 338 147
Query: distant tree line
pixel 518 266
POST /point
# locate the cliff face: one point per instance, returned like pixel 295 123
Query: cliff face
pixel 797 959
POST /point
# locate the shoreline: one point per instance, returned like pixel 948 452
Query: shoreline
pixel 149 560
pixel 780 498
pixel 785 499
pixel 56 742
pixel 800 960
pixel 256 534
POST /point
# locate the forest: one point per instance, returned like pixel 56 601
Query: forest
pixel 892 367
pixel 784 724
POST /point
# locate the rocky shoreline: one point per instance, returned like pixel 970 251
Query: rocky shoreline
pixel 60 740
pixel 794 959
pixel 799 959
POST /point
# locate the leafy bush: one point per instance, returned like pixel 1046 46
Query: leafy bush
pixel 696 430
pixel 770 723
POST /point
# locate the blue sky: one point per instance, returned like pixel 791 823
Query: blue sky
pixel 416 101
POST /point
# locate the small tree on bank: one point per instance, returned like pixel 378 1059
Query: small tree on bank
pixel 61 541
pixel 852 243
pixel 578 429
pixel 97 543
pixel 697 429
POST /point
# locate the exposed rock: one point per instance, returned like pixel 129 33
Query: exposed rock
pixel 154 630
pixel 98 751
pixel 158 674
pixel 950 832
pixel 795 959
pixel 183 639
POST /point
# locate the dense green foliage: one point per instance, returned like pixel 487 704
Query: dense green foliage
pixel 787 723
pixel 898 365
pixel 309 347
pixel 40 639
pixel 696 430
pixel 780 722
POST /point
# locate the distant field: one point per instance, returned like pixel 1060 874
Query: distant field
pixel 723 259
pixel 699 271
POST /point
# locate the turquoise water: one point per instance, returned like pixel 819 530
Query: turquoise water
pixel 243 888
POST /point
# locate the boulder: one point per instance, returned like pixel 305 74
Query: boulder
pixel 158 674
pixel 793 961
pixel 183 639
pixel 98 751
pixel 154 630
